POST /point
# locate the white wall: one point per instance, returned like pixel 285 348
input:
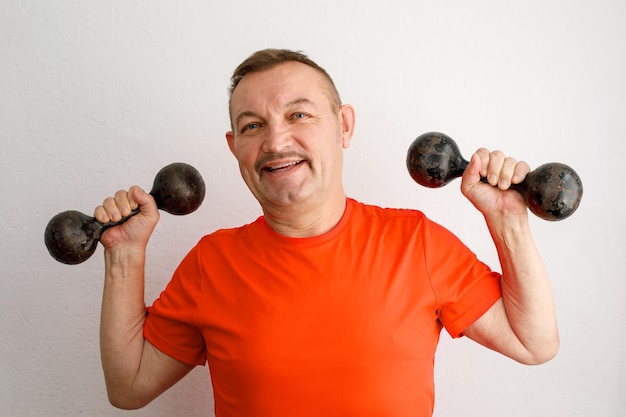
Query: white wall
pixel 96 96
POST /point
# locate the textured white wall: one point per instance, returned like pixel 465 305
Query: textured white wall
pixel 96 96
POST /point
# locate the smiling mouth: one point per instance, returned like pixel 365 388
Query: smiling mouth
pixel 283 167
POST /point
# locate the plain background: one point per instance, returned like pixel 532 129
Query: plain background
pixel 96 96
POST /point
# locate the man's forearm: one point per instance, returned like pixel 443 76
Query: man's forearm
pixel 526 290
pixel 121 326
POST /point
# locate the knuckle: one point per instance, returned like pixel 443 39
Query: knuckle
pixel 108 202
pixel 120 194
pixel 510 160
pixel 497 154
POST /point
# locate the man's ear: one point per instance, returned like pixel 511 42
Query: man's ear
pixel 347 120
pixel 230 139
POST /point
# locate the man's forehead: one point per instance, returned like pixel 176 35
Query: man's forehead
pixel 285 85
pixel 289 74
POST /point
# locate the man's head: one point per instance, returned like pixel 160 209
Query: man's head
pixel 289 132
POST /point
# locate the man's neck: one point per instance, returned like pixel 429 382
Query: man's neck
pixel 306 219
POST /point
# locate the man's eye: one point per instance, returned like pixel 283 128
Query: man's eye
pixel 299 115
pixel 250 126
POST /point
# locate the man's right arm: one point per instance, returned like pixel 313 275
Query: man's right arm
pixel 135 371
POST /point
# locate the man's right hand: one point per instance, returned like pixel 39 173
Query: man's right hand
pixel 135 232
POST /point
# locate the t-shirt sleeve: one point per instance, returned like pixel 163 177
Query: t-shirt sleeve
pixel 465 288
pixel 170 321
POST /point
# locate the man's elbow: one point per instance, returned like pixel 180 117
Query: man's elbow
pixel 124 401
pixel 124 404
pixel 541 354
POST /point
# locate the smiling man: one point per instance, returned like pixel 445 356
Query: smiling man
pixel 323 305
pixel 288 135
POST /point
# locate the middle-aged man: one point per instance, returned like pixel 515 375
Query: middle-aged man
pixel 323 306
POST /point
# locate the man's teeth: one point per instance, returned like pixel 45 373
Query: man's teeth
pixel 272 169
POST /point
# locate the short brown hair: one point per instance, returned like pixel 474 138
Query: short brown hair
pixel 266 59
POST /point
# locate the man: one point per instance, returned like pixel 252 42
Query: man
pixel 324 305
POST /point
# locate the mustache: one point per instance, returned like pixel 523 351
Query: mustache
pixel 275 156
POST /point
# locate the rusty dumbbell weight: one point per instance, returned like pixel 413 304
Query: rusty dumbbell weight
pixel 552 191
pixel 72 237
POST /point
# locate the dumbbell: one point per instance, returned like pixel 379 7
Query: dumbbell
pixel 552 191
pixel 72 237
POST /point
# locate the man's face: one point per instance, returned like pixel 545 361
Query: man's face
pixel 287 136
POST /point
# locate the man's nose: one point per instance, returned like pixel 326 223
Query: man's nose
pixel 278 138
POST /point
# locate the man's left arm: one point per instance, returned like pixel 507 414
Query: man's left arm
pixel 522 323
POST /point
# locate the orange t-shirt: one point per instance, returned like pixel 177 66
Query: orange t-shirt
pixel 342 324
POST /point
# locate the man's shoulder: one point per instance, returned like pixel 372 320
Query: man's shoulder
pixel 229 233
pixel 385 213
